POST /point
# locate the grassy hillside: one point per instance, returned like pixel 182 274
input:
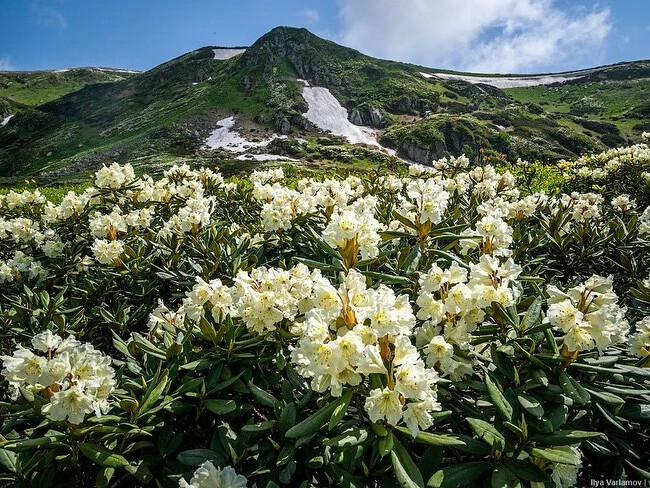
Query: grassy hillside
pixel 617 96
pixel 164 115
pixel 37 87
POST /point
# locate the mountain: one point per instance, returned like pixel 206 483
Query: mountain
pixel 280 96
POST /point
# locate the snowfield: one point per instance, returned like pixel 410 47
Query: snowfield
pixel 326 113
pixel 226 53
pixel 509 82
pixel 6 120
pixel 225 137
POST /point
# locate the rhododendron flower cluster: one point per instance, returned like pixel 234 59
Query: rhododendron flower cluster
pixel 75 378
pixel 588 314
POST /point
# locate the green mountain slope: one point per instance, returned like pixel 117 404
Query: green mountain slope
pixel 165 114
pixel 37 87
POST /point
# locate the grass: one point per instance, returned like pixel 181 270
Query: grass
pixel 620 102
pixel 37 88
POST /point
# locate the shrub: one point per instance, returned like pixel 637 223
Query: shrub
pixel 376 330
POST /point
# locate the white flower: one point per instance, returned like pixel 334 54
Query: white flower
pixel 640 341
pixel 417 415
pixel 622 203
pixel 106 252
pixel 384 405
pixel 73 403
pixel 207 476
pixel 114 176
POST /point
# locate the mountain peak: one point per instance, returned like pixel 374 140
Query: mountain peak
pixel 310 56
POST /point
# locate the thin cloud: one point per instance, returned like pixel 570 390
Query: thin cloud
pixel 503 36
pixel 5 64
pixel 46 15
pixel 310 15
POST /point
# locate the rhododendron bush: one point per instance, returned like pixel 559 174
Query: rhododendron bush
pixel 436 329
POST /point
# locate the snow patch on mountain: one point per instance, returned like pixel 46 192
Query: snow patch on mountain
pixel 6 120
pixel 226 137
pixel 226 53
pixel 326 113
pixel 509 82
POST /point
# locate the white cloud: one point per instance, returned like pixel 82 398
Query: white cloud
pixel 46 15
pixel 5 64
pixel 505 36
pixel 310 14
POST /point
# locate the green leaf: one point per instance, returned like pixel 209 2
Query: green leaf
pixel 29 444
pixel 532 315
pixel 262 396
pixel 611 418
pixel 385 444
pixel 502 477
pixel 556 454
pixel 196 457
pixel 403 478
pixel 531 405
pixel 406 471
pixel 566 437
pixel 350 437
pixel 385 278
pixel 488 433
pixel 8 460
pixel 102 456
pixel 259 427
pixel 154 392
pixel 573 389
pixel 338 413
pixel 458 475
pixel 526 470
pixel 503 407
pixel 558 416
pixel 314 422
pixel 605 396
pixel 220 407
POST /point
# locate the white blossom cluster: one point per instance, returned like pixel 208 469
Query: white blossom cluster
pixel 640 340
pixel 114 176
pixel 350 333
pixel 623 203
pixel 452 303
pixel 209 476
pixel 644 222
pixel 588 314
pixel 14 200
pixel 354 229
pixel 21 267
pixel 425 201
pixel 583 206
pixel 75 378
pixel 344 334
pixel 599 166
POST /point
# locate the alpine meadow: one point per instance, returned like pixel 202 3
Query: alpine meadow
pixel 292 264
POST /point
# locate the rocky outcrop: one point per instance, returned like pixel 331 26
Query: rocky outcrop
pixel 367 116
pixel 409 105
pixel 423 156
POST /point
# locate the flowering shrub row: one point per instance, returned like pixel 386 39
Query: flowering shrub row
pixel 440 329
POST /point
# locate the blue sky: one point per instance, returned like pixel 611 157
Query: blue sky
pixel 478 35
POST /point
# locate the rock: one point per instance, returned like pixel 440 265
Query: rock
pixel 283 126
pixel 376 117
pixel 355 117
pixel 367 116
pixel 420 155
